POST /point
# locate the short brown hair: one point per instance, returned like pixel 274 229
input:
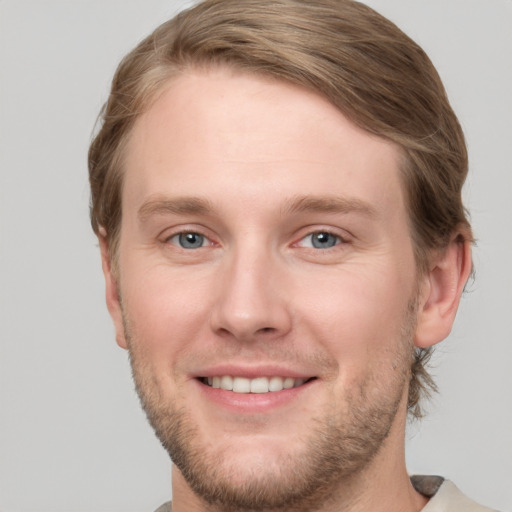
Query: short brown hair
pixel 360 61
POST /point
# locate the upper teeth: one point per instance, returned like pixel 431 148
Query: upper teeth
pixel 257 385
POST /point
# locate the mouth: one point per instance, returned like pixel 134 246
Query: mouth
pixel 256 385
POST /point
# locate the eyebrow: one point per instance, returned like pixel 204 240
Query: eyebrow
pixel 175 206
pixel 329 204
pixel 298 204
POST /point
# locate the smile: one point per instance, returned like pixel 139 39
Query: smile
pixel 257 385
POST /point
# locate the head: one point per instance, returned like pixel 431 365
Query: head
pixel 359 61
pixel 345 55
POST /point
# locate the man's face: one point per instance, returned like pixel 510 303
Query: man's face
pixel 264 244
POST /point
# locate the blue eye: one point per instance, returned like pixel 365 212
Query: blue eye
pixel 189 240
pixel 321 240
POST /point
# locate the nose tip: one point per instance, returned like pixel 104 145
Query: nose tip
pixel 246 326
pixel 251 304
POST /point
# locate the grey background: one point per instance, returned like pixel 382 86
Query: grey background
pixel 72 437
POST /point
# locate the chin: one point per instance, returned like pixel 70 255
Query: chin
pixel 293 461
pixel 257 472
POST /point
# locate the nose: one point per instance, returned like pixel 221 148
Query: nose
pixel 252 298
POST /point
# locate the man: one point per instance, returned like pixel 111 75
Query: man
pixel 276 188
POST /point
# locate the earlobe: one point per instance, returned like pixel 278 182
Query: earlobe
pixel 111 290
pixel 440 294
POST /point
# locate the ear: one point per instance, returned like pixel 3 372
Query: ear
pixel 441 290
pixel 111 290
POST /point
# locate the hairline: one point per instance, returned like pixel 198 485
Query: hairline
pixel 172 71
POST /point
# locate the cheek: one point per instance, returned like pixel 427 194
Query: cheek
pixel 357 314
pixel 166 311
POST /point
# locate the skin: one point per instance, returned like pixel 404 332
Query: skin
pixel 267 166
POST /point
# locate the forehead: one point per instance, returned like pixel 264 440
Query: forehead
pixel 225 135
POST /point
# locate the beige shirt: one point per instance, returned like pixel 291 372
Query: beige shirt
pixel 444 496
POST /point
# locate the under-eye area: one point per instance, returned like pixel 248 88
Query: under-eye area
pixel 256 385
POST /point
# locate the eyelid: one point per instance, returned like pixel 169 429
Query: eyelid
pixel 170 233
pixel 206 242
pixel 342 235
pixel 311 244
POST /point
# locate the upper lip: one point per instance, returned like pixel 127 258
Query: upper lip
pixel 252 372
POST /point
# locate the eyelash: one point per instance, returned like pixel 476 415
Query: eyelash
pixel 177 239
pixel 338 240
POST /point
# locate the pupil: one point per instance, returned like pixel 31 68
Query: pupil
pixel 323 240
pixel 191 240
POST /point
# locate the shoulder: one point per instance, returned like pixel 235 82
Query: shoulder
pixel 166 507
pixel 444 496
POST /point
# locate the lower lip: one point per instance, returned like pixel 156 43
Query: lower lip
pixel 252 403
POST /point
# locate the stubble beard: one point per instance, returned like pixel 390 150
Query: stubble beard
pixel 335 450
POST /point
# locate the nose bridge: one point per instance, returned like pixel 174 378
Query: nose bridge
pixel 250 301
